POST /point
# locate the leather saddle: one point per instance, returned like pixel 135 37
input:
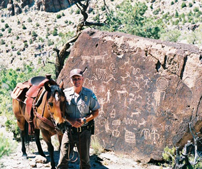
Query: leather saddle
pixel 27 92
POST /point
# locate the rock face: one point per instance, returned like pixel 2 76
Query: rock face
pixel 45 5
pixel 148 90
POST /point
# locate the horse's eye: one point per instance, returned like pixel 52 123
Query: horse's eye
pixel 50 103
pixel 56 97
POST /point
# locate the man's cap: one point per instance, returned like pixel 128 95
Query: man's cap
pixel 75 72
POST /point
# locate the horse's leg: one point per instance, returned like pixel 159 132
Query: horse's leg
pixel 18 112
pixel 38 143
pixel 21 125
pixel 47 138
pixel 59 139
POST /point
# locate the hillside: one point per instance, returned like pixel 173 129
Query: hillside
pixel 29 37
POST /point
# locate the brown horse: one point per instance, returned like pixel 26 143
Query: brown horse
pixel 48 117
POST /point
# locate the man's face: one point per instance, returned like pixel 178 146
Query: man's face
pixel 77 81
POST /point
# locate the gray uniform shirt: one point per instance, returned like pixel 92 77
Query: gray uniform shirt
pixel 80 105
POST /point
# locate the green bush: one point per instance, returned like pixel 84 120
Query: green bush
pixel 7 145
pixel 58 16
pixel 2 21
pixel 9 30
pixel 196 9
pixel 29 20
pixel 130 19
pixel 183 5
pixel 34 34
pixel 156 12
pixel 172 3
pixel 24 27
pixel 6 26
pixel 2 42
pixel 55 32
pixel 1 34
pixel 37 24
pixel 190 5
pixel 171 36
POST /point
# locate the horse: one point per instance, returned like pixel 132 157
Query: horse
pixel 49 113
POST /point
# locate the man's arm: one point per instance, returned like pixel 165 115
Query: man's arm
pixel 93 115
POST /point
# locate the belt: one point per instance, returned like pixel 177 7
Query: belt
pixel 80 129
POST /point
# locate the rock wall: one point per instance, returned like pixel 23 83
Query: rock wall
pixel 148 90
pixel 16 7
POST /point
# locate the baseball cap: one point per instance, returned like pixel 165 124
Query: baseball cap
pixel 75 72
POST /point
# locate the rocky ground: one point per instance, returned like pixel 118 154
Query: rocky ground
pixel 106 160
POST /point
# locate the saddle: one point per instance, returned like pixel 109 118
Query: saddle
pixel 27 92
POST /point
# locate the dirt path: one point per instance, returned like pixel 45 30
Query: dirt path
pixel 107 160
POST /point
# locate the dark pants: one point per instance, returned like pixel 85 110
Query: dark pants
pixel 82 141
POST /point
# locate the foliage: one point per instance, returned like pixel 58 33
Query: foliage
pixel 96 145
pixel 171 35
pixel 183 5
pixel 169 154
pixel 7 145
pixel 130 19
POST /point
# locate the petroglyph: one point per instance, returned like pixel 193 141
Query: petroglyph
pixel 137 113
pixel 113 113
pixel 161 85
pixel 116 122
pixel 113 68
pixel 130 137
pixel 115 133
pixel 129 121
pixel 127 75
pixel 108 96
pixel 142 123
pixel 101 73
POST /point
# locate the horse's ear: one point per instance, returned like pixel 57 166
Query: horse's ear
pixel 61 85
pixel 47 87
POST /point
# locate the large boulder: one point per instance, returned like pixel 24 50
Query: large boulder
pixel 149 90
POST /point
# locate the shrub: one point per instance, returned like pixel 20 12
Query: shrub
pixel 50 42
pixel 37 24
pixel 9 30
pixel 1 34
pixel 2 29
pixel 183 5
pixel 6 26
pixel 18 52
pixel 156 12
pixel 2 20
pixel 58 16
pixel 172 35
pixel 7 145
pixel 176 14
pixel 29 20
pixel 78 11
pixel 24 27
pixel 190 4
pixel 55 32
pixel 196 9
pixel 2 42
pixel 172 3
pixel 34 34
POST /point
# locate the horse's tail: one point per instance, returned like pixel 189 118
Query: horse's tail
pixel 27 138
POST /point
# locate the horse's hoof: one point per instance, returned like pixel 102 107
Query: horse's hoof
pixel 24 157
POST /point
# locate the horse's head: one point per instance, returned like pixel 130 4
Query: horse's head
pixel 56 104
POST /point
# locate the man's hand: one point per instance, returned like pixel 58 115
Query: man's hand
pixel 76 123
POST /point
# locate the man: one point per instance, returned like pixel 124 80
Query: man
pixel 82 108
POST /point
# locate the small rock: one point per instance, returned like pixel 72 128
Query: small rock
pixel 40 159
